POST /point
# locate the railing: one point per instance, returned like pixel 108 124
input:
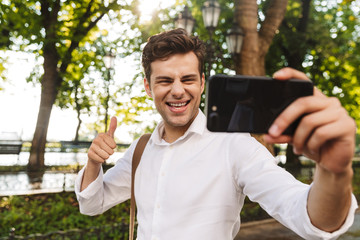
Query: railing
pixel 15 147
pixel 112 231
pixel 71 145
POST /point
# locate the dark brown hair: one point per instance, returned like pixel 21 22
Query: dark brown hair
pixel 161 46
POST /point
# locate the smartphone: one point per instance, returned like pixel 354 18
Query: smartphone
pixel 250 104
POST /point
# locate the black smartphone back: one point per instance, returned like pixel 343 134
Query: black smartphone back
pixel 250 104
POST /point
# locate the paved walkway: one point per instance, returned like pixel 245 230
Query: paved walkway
pixel 270 229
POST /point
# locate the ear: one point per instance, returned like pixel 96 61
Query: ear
pixel 147 87
pixel 202 82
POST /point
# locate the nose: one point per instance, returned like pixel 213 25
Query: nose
pixel 177 89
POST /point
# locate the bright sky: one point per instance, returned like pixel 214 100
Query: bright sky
pixel 19 101
pixel 148 6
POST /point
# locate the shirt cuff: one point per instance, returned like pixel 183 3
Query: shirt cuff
pixel 310 228
pixel 93 187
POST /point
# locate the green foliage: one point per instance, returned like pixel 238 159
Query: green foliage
pixel 356 183
pixel 320 39
pixel 252 212
pixel 51 212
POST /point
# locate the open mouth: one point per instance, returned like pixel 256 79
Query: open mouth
pixel 178 104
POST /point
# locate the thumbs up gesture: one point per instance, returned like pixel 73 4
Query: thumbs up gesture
pixel 103 145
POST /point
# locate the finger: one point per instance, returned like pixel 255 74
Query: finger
pixel 103 154
pixel 105 142
pixel 281 139
pixel 93 156
pixel 287 73
pixel 342 130
pixel 109 142
pixel 112 127
pixel 310 123
pixel 295 110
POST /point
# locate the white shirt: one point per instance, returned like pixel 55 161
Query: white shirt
pixel 194 188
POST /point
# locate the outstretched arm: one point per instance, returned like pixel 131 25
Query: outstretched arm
pixel 326 134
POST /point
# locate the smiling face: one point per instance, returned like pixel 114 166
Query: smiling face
pixel 176 87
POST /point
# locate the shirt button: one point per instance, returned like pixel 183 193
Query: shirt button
pixel 158 205
pixel 163 174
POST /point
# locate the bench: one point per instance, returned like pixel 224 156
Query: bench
pixel 10 147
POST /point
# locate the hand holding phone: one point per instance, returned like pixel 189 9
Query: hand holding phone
pixel 250 104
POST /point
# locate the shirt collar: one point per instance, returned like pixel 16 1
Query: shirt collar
pixel 197 127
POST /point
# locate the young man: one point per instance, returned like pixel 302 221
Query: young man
pixel 191 183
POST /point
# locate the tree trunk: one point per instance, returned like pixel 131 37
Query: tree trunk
pixel 78 111
pixel 48 96
pixel 78 127
pixel 256 42
pixel 50 84
pixel 246 12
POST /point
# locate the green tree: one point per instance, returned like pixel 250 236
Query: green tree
pixel 319 39
pixel 334 62
pixel 55 29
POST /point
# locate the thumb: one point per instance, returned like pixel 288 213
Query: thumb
pixel 112 127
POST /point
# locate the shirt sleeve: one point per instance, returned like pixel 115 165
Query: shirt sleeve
pixel 108 189
pixel 278 192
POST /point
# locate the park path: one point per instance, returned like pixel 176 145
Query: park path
pixel 270 229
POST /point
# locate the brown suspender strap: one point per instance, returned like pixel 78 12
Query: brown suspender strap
pixel 139 149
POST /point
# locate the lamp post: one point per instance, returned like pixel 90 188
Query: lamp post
pixel 185 20
pixel 211 13
pixel 109 65
pixel 234 39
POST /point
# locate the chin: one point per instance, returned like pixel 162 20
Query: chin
pixel 178 122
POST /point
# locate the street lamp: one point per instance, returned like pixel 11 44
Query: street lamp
pixel 211 13
pixel 108 59
pixel 185 20
pixel 234 39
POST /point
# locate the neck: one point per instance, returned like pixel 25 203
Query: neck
pixel 171 134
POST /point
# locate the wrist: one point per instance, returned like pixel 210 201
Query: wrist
pixel 334 180
pixel 92 165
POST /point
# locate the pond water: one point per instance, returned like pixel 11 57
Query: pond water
pixel 19 183
pixel 52 158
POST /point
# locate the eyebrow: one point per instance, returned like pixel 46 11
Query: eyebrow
pixel 170 78
pixel 162 77
pixel 189 76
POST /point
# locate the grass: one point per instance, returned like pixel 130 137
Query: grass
pixel 45 213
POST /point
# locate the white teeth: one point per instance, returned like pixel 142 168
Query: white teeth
pixel 177 104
